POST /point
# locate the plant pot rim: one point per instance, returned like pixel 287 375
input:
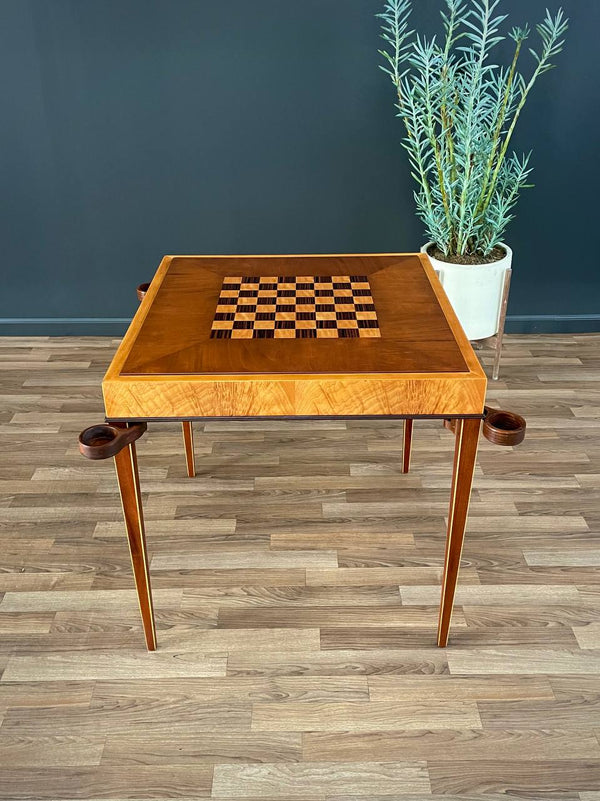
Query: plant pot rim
pixel 454 265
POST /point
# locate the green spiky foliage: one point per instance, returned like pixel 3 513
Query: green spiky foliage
pixel 460 111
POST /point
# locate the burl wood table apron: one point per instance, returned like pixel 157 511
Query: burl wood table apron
pixel 268 337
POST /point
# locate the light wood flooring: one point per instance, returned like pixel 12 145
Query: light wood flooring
pixel 296 584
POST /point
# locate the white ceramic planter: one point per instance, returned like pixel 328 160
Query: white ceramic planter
pixel 475 292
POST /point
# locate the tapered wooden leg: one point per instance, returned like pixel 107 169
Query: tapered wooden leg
pixel 465 453
pixel 406 445
pixel 129 487
pixel 188 441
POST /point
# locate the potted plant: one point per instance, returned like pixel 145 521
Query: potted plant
pixel 460 111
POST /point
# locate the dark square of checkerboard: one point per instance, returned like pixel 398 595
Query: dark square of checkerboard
pixel 285 307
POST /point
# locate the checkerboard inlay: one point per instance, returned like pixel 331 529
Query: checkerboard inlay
pixel 295 307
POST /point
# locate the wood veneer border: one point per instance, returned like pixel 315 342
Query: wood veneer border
pixel 317 396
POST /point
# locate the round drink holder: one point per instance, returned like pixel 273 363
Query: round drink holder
pixel 104 440
pixel 141 291
pixel 499 427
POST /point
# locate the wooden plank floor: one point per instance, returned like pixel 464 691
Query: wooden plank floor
pixel 296 588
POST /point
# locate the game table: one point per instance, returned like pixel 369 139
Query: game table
pixel 271 337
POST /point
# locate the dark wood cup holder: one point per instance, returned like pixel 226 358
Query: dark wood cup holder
pixel 503 428
pixel 103 441
pixel 141 291
pixel 499 427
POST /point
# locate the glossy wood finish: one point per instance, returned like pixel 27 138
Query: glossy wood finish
pixel 406 445
pixel 131 499
pixel 86 712
pixel 168 366
pixel 188 442
pixel 141 399
pixel 415 334
pixel 465 452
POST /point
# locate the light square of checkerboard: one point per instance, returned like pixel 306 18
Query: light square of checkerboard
pixel 295 307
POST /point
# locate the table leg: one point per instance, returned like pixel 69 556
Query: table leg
pixel 465 453
pixel 407 445
pixel 129 487
pixel 188 442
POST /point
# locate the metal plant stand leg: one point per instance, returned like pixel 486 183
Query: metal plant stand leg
pixel 501 323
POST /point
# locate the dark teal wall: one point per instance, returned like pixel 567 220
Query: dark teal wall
pixel 135 128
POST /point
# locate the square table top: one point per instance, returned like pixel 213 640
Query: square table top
pixel 295 336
